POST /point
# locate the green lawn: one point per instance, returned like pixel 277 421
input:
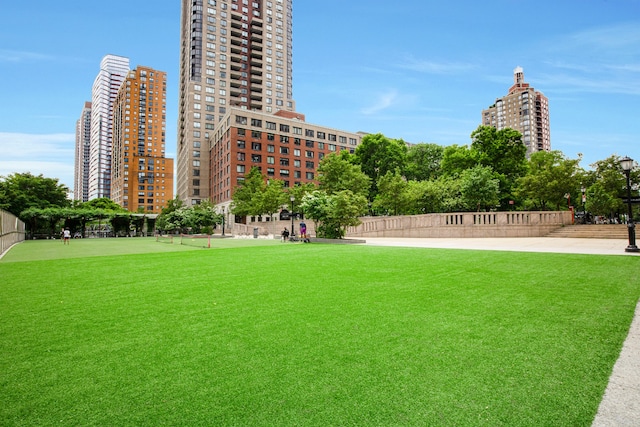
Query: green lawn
pixel 259 333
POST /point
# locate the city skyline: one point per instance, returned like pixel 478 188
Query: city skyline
pixel 423 72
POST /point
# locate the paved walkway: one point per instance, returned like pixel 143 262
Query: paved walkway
pixel 620 406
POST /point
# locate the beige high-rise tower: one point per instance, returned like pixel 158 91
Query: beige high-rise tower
pixel 525 110
pixel 235 53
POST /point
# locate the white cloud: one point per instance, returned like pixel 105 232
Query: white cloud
pixel 432 67
pixel 21 56
pixel 52 155
pixel 383 102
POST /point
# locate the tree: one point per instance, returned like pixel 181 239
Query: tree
pixel 392 194
pixel 613 184
pixel 273 197
pixel 551 176
pixel 104 203
pixel 503 151
pixel 457 158
pixel 479 188
pixel 336 174
pixel 21 191
pixel 332 213
pixel 378 155
pixel 423 162
pixel 247 198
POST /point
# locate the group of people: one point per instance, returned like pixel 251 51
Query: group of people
pixel 303 233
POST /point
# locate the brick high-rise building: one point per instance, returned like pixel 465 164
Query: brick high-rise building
pixel 232 54
pixel 282 145
pixel 83 142
pixel 113 70
pixel 525 110
pixel 142 177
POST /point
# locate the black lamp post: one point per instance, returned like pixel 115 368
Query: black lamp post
pixel 293 199
pixel 223 209
pixel 627 165
pixel 584 203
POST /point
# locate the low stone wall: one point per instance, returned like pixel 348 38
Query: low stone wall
pixel 12 231
pixel 465 224
pixel 457 224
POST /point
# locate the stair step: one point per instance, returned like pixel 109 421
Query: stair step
pixel 592 231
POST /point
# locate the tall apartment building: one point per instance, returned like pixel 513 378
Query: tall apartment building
pixel 282 145
pixel 113 71
pixel 233 54
pixel 141 175
pixel 525 110
pixel 81 167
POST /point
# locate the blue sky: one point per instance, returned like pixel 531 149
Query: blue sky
pixel 419 70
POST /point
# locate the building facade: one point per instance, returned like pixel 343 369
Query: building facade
pixel 113 71
pixel 282 145
pixel 233 54
pixel 142 177
pixel 525 110
pixel 81 167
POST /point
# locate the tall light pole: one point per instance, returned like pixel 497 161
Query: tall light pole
pixel 223 209
pixel 292 199
pixel 627 165
pixel 584 203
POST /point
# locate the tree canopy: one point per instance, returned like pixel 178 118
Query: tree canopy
pixel 21 191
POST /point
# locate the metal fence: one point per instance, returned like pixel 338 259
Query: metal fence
pixel 12 231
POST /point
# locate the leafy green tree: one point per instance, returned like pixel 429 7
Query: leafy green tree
pixel 273 197
pixel 336 174
pixel 248 197
pixel 378 155
pixel 551 176
pixel 392 197
pixel 613 181
pixel 332 213
pixel 104 203
pixel 601 202
pixel 316 205
pixel 20 191
pixel 457 158
pixel 479 188
pixel 423 162
pixel 505 153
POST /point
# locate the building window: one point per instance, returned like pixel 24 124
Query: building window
pixel 241 120
pixel 240 168
pixel 284 150
pixel 309 143
pixel 241 144
pixel 256 146
pixel 309 165
pixel 321 135
pixel 309 175
pixel 284 128
pixel 256 158
pixel 270 125
pixel 240 157
pixel 308 132
pixel 256 123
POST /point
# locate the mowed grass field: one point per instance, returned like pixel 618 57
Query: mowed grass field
pixel 115 332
